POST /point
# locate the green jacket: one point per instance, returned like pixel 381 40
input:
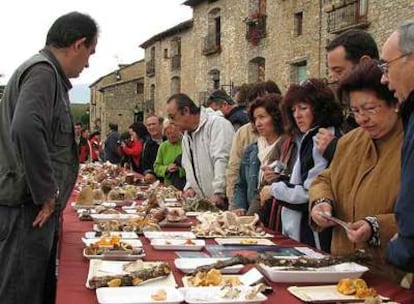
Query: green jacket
pixel 167 153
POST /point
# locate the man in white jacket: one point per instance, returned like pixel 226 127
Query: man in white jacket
pixel 206 147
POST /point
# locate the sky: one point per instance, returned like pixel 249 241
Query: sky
pixel 123 26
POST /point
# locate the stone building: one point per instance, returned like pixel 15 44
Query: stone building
pixel 228 42
pixel 164 55
pixel 118 97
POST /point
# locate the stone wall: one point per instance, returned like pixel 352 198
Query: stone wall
pixel 282 50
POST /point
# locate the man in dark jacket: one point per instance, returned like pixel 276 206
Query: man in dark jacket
pixel 112 145
pixel 397 64
pixel 151 144
pixel 220 101
pixel 39 159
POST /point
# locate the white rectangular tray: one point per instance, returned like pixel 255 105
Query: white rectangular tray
pixel 132 242
pixel 104 268
pixel 322 294
pixel 211 295
pixel 172 244
pixel 123 234
pixel 169 235
pixel 188 265
pixel 136 295
pixel 331 274
pixel 244 241
pixel 115 255
pixel 122 217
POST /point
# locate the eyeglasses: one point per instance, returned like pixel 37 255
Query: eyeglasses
pixel 368 111
pixel 385 65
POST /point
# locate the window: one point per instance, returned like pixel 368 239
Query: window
pixel 212 42
pixel 346 15
pixel 140 88
pixel 298 23
pixel 175 85
pixel 166 53
pixel 215 79
pixel 299 71
pixel 257 70
pixel 150 65
pixel 175 54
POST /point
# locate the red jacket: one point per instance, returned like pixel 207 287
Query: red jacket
pixel 84 151
pixel 95 147
pixel 134 150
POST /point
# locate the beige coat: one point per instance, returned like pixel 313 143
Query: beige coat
pixel 363 180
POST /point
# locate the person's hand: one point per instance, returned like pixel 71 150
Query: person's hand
pixel 322 139
pixel 265 194
pixel 150 178
pixel 318 218
pixel 394 237
pixel 269 175
pixel 45 212
pixel 217 200
pixel 189 193
pixel 239 212
pixel 123 144
pixel 172 168
pixel 359 231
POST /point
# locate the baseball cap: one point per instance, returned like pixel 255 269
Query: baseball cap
pixel 221 95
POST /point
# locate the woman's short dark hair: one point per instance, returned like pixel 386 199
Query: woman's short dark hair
pixel 315 92
pixel 140 129
pixel 71 27
pixel 271 103
pixel 366 76
pixel 261 89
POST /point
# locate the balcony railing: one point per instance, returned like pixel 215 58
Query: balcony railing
pixel 150 67
pixel 212 44
pixel 345 16
pixel 255 28
pixel 175 62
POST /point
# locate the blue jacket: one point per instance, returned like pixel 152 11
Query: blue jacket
pixel 400 252
pixel 245 189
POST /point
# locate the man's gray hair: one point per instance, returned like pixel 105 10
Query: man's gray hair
pixel 406 36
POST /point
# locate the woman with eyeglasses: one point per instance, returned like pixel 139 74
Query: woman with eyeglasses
pixel 362 183
pixel 307 108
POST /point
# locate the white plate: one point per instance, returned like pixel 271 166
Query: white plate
pixel 123 234
pixel 117 255
pixel 213 236
pixel 331 274
pixel 244 241
pixel 169 235
pixel 136 295
pixel 211 295
pixel 188 265
pixel 132 242
pixel 104 268
pixel 323 294
pixel 98 218
pixel 172 244
pixel 193 213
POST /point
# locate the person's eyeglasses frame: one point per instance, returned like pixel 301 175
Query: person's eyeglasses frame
pixel 384 65
pixel 375 109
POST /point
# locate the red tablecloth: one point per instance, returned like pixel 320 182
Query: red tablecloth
pixel 73 268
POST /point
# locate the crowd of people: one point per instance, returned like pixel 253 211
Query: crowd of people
pixel 295 157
